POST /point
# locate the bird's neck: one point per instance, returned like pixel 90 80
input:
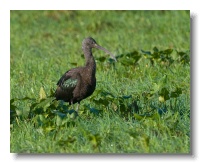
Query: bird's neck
pixel 90 61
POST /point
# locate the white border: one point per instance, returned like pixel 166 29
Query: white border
pixel 7 5
pixel 100 4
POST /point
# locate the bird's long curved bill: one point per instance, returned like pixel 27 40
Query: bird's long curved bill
pixel 101 48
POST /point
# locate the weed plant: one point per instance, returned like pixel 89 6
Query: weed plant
pixel 141 103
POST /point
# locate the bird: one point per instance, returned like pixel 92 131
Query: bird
pixel 79 83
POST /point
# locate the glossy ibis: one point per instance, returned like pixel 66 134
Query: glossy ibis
pixel 79 83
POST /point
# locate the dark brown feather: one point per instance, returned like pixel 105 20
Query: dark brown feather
pixel 79 83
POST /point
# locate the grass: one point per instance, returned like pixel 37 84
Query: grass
pixel 139 106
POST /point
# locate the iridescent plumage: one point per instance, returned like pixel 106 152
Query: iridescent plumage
pixel 79 83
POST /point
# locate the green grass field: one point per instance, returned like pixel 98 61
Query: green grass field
pixel 141 103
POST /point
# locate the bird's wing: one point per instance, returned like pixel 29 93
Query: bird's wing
pixel 68 81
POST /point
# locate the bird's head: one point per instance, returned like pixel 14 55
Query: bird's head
pixel 89 42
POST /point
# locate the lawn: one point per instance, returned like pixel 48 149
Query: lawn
pixel 141 103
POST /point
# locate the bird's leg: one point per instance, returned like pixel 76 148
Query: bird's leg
pixel 74 112
pixel 72 104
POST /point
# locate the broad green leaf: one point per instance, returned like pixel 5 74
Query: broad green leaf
pixel 42 105
pixel 176 93
pixel 168 51
pixel 155 49
pixel 58 120
pixel 19 112
pixel 104 102
pixel 161 99
pixel 133 54
pixel 42 94
pixel 94 111
pixel 138 117
pixel 65 142
pixel 146 52
pixel 126 61
pixel 164 93
pixel 101 59
pixel 49 128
